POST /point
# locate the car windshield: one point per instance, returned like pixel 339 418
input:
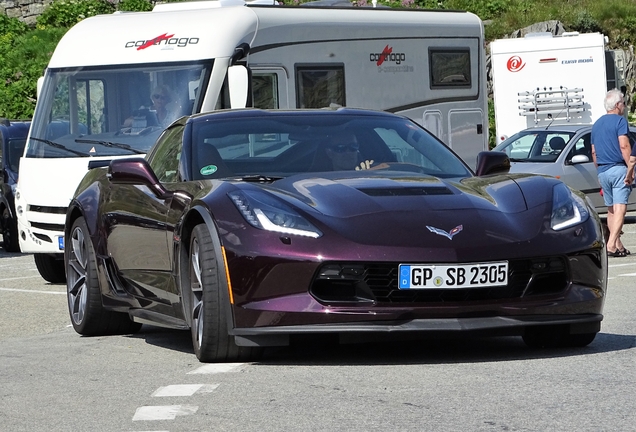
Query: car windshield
pixel 275 146
pixel 535 146
pixel 115 110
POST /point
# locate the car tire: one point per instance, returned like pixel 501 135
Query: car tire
pixel 555 337
pixel 9 232
pixel 50 267
pixel 88 315
pixel 208 311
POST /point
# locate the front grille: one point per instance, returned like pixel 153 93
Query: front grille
pixel 378 282
pixel 48 226
pixel 47 209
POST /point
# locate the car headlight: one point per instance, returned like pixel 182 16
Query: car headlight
pixel 267 213
pixel 568 209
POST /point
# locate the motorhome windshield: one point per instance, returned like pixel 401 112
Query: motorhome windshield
pixel 108 111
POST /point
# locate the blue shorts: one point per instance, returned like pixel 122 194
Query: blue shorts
pixel 612 181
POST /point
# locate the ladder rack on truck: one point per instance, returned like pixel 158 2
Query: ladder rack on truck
pixel 549 103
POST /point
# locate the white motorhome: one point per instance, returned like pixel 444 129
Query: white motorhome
pixel 94 100
pixel 542 79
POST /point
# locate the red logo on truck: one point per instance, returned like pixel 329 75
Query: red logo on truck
pixel 164 39
pixel 388 55
pixel 385 53
pixel 515 64
pixel 156 40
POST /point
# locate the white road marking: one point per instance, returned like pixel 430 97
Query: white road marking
pixel 620 265
pixel 21 277
pixel 216 368
pixel 165 412
pixel 184 390
pixel 33 291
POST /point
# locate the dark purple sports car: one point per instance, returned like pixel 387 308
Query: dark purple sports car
pixel 253 228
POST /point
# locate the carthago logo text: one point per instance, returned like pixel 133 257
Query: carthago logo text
pixel 387 54
pixel 166 40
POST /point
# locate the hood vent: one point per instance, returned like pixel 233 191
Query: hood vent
pixel 406 191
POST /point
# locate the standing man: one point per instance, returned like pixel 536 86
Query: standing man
pixel 611 153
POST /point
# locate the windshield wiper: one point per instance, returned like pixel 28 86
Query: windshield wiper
pixel 259 178
pixel 109 144
pixel 59 146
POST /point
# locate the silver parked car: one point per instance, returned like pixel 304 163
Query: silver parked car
pixel 564 152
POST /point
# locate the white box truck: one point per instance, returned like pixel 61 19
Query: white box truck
pixel 542 79
pixel 94 99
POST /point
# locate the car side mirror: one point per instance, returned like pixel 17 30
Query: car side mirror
pixel 492 162
pixel 577 159
pixel 136 171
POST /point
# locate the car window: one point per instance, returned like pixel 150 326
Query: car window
pixel 535 146
pixel 282 146
pixel 164 159
pixel 15 149
pixel 582 146
pixel 632 137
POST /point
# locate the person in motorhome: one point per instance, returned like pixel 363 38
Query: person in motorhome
pixel 162 112
pixel 163 105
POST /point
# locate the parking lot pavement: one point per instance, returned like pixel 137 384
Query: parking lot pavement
pixel 28 304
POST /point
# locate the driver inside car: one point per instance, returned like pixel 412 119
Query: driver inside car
pixel 343 151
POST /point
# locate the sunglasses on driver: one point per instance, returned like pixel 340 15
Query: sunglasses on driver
pixel 344 148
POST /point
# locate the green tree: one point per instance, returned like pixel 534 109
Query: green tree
pixel 22 61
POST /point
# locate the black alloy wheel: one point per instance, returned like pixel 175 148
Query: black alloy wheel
pixel 87 313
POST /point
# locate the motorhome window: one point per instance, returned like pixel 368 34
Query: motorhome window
pixel 223 102
pixel 90 98
pixel 113 110
pixel 450 68
pixel 265 90
pixel 320 86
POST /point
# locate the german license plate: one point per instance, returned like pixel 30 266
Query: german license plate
pixel 477 275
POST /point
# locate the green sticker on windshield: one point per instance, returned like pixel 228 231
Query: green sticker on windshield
pixel 207 170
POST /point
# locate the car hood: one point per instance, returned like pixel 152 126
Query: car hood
pixel 399 209
pixel 353 196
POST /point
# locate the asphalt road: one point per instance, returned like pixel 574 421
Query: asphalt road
pixel 51 379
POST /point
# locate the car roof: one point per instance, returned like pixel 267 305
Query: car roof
pixel 558 128
pixel 253 112
pixel 14 128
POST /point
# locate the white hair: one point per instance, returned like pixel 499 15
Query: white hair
pixel 612 98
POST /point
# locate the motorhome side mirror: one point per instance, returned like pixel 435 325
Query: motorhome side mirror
pixel 136 171
pixel 492 162
pixel 238 84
